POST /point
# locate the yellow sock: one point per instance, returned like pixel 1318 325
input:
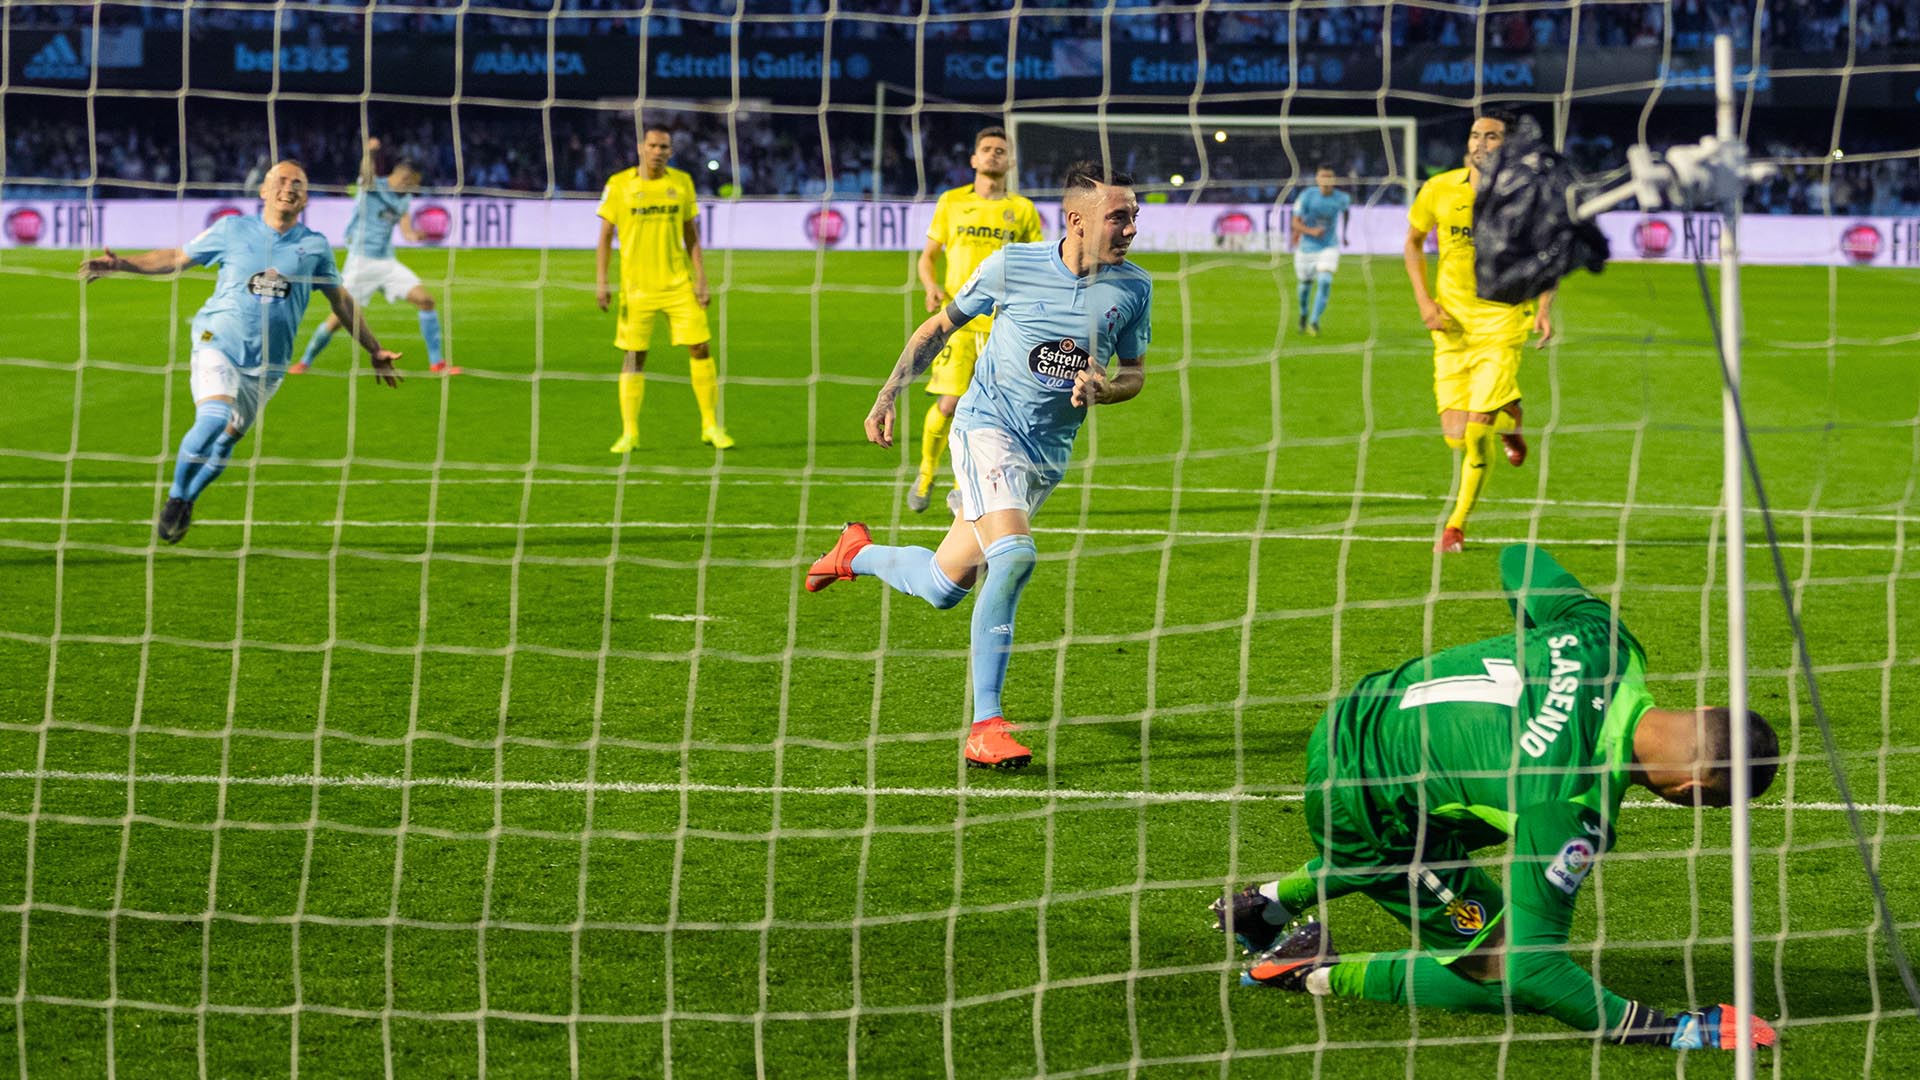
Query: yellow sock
pixel 706 387
pixel 1455 441
pixel 1473 472
pixel 633 390
pixel 1504 422
pixel 933 442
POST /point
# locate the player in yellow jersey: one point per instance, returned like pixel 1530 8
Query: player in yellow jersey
pixel 1476 343
pixel 969 224
pixel 652 210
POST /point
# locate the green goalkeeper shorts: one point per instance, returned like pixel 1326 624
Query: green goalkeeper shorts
pixel 1436 890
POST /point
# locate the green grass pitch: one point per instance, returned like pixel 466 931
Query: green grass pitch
pixel 602 792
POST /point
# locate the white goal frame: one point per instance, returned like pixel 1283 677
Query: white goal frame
pixel 1202 124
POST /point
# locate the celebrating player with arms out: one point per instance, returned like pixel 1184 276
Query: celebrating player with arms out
pixel 269 265
pixel 1476 343
pixel 1062 311
pixel 969 223
pixel 1528 740
pixel 1319 217
pixel 652 210
pixel 379 206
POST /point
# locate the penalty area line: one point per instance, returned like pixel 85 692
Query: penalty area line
pixel 641 787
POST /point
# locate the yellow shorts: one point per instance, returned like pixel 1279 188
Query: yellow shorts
pixel 1477 369
pixel 952 370
pixel 686 319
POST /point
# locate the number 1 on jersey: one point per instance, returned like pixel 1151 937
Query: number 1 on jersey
pixel 1501 685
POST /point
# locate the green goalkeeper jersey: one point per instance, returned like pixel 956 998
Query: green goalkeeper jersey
pixel 1523 739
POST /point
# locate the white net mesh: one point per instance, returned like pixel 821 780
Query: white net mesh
pixel 448 742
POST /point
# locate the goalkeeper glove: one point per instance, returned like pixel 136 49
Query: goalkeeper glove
pixel 1702 1029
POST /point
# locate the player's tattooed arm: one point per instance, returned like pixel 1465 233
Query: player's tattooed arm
pixel 157 261
pixel 349 315
pixel 916 358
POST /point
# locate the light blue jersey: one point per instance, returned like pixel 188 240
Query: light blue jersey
pixel 1315 210
pixel 377 208
pixel 1047 326
pixel 266 278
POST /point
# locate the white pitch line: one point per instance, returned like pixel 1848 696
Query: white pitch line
pixel 890 482
pixel 685 618
pixel 700 527
pixel 640 787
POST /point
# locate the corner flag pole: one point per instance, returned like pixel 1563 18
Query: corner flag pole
pixel 1734 484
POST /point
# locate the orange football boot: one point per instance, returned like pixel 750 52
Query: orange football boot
pixel 837 564
pixel 990 745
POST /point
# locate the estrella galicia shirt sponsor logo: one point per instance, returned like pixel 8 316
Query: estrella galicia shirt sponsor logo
pixel 218 212
pixel 269 286
pixel 1055 363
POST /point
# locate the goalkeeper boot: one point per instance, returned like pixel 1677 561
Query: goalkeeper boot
pixel 174 519
pixel 837 564
pixel 991 745
pixel 920 494
pixel 625 444
pixel 716 436
pixel 1245 917
pixel 1306 950
pixel 1452 541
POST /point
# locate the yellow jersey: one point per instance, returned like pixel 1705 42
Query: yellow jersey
pixel 1445 206
pixel 971 228
pixel 650 217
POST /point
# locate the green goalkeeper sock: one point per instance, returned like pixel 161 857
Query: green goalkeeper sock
pixel 1298 891
pixel 1398 979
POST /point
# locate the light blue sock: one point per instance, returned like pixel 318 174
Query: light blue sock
pixel 317 344
pixel 1009 564
pixel 911 570
pixel 1306 295
pixel 430 329
pixel 215 464
pixel 209 420
pixel 1323 288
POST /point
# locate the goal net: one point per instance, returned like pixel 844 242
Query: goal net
pixel 446 741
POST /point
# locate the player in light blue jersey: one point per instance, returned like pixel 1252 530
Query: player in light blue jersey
pixel 1319 218
pixel 381 205
pixel 269 266
pixel 1061 313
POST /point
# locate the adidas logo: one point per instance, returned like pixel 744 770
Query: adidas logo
pixel 57 59
pixel 1003 628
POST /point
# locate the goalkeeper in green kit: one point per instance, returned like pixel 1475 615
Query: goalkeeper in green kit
pixel 1529 741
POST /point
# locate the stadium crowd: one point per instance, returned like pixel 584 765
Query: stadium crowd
pixel 1806 25
pixel 762 153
